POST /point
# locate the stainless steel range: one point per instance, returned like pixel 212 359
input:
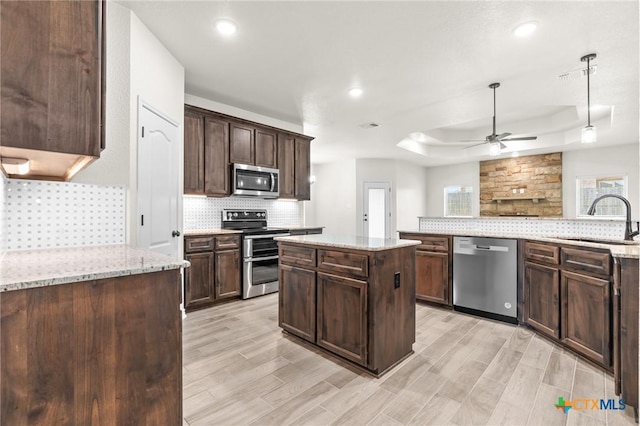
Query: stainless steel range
pixel 259 250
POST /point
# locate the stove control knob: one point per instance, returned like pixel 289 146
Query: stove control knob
pixel 264 215
pixel 235 214
pixel 229 215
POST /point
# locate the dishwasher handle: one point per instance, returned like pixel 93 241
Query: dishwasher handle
pixel 471 248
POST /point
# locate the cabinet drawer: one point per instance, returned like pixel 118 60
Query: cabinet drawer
pixel 430 243
pixel 296 255
pixel 586 260
pixel 227 242
pixel 343 263
pixel 542 252
pixel 198 244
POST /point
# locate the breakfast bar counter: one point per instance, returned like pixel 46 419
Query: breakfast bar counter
pixel 352 297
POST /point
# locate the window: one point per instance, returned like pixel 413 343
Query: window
pixel 590 188
pixel 458 201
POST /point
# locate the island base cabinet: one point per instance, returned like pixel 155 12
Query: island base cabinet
pixel 95 352
pixel 586 319
pixel 342 316
pixel 626 334
pixel 356 304
pixel 297 302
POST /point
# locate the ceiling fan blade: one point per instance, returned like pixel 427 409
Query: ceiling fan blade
pixel 472 140
pixel 477 144
pixel 502 146
pixel 526 138
pixel 502 135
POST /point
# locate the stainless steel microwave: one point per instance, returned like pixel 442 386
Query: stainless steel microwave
pixel 254 181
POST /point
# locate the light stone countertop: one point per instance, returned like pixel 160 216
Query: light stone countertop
pixel 631 251
pixel 197 232
pixel 349 242
pixel 40 268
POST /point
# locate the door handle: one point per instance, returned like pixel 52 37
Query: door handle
pixel 175 234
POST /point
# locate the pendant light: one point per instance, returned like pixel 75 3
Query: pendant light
pixel 589 133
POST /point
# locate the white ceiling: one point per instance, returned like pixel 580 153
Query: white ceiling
pixel 423 65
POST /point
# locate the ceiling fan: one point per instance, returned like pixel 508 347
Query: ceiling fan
pixel 495 138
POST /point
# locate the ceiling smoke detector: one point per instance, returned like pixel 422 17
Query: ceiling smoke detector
pixel 369 125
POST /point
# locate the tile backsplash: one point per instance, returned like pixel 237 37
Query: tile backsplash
pixel 608 229
pixel 206 213
pixel 44 214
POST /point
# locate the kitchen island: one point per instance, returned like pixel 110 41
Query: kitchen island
pixel 90 335
pixel 353 297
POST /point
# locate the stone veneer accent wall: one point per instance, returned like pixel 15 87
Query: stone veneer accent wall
pixel 530 176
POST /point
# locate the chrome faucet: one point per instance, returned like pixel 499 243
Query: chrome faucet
pixel 628 233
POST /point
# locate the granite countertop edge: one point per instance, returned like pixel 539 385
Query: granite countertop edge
pixel 48 267
pixel 631 251
pixel 349 242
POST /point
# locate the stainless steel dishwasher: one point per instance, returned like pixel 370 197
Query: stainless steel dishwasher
pixel 485 277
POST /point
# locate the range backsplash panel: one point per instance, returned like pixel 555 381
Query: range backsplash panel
pixel 536 178
pixel 206 212
pixel 45 214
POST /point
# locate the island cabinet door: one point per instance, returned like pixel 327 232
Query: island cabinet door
pixel 297 309
pixel 342 317
pixel 542 298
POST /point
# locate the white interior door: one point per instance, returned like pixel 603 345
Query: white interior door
pixel 158 156
pixel 376 209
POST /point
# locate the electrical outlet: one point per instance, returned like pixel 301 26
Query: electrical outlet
pixel 396 280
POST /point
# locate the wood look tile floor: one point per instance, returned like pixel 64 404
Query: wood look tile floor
pixel 239 369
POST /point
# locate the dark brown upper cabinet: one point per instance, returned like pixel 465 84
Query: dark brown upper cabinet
pixel 242 144
pixel 286 165
pixel 206 154
pixel 302 154
pixel 266 148
pixel 51 110
pixel 214 141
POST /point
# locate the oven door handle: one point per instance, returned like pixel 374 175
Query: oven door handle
pixel 258 259
pixel 263 236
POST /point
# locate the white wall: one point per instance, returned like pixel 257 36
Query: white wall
pixel 113 165
pixel 411 195
pixel 615 160
pixel 138 65
pixel 336 196
pixel 333 198
pixel 158 79
pixel 466 174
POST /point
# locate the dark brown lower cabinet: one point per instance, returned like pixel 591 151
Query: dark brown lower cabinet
pixel 103 352
pixel 625 333
pixel 227 274
pixel 434 267
pixel 342 316
pixel 214 275
pixel 542 298
pixel 432 277
pixel 198 280
pixel 297 301
pixel 586 319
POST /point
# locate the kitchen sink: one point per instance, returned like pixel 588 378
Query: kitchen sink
pixel 599 241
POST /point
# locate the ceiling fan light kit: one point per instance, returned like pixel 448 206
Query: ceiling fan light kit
pixel 495 140
pixel 589 133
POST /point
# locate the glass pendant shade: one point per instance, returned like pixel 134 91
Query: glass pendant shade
pixel 494 149
pixel 589 134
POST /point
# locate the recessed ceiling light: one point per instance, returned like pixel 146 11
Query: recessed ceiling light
pixel 226 27
pixel 525 29
pixel 355 92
